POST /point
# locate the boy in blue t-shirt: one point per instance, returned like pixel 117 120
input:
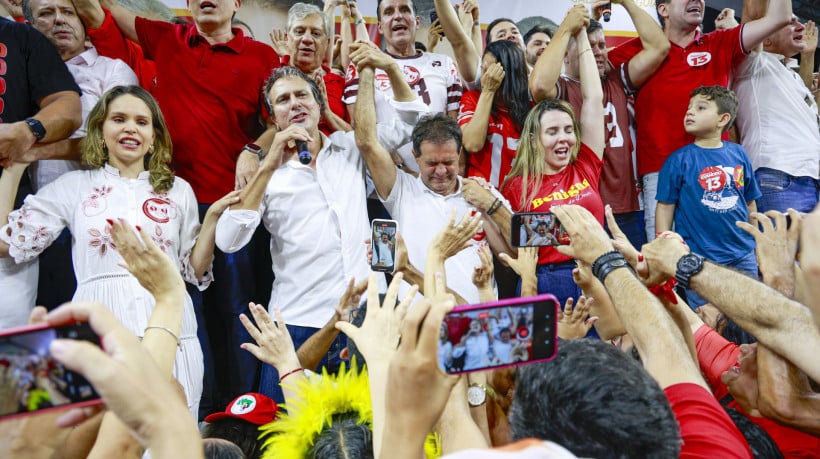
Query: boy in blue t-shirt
pixel 707 186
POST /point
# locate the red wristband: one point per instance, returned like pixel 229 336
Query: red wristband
pixel 282 378
pixel 666 290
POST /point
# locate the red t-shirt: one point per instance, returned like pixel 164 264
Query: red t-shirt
pixel 110 42
pixel 494 161
pixel 335 87
pixel 577 184
pixel 715 356
pixel 210 96
pixel 706 430
pixel 618 186
pixel 662 100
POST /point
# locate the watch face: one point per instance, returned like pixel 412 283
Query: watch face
pixel 476 395
pixel 689 263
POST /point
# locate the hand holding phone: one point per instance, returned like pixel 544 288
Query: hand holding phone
pixel 537 229
pixel 31 380
pixel 499 334
pixel 383 245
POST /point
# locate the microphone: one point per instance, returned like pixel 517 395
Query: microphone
pixel 607 11
pixel 304 154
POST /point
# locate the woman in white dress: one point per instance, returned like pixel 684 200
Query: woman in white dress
pixel 129 149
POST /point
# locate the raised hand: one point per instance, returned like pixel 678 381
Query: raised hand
pixel 273 344
pixel 573 323
pixel 492 78
pixel 154 270
pixel 455 237
pixel 279 41
pixel 726 19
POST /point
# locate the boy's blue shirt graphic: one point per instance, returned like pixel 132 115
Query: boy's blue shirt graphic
pixel 710 188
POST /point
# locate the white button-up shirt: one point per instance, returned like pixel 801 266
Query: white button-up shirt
pixel 318 223
pixel 422 214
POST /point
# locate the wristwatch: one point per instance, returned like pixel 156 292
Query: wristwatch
pixel 255 149
pixel 36 128
pixel 477 394
pixel 688 265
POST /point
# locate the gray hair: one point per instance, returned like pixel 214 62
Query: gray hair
pixel 300 11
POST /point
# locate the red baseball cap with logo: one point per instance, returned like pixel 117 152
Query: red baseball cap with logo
pixel 252 407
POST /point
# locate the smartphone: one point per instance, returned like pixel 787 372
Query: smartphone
pixel 433 17
pixel 499 334
pixel 31 381
pixel 383 243
pixel 537 229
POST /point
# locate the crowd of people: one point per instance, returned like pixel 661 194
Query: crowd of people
pixel 205 201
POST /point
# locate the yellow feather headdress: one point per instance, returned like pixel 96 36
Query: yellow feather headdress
pixel 294 433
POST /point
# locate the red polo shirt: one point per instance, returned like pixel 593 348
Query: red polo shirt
pixel 110 42
pixel 210 96
pixel 661 103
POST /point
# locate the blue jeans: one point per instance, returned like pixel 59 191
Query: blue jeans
pixel 556 279
pixel 269 381
pixel 239 278
pixel 632 225
pixel 746 264
pixel 650 203
pixel 782 191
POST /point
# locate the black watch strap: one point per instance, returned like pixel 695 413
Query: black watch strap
pixel 688 265
pixel 607 263
pixel 36 128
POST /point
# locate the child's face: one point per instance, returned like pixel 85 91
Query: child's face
pixel 702 117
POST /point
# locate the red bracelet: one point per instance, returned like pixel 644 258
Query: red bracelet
pixel 666 290
pixel 281 378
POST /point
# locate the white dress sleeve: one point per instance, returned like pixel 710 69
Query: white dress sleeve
pixel 188 234
pixel 35 225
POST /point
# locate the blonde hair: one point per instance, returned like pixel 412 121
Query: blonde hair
pixel 158 161
pixel 529 161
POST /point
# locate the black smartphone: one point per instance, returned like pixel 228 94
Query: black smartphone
pixel 31 380
pixel 499 334
pixel 383 243
pixel 433 17
pixel 537 229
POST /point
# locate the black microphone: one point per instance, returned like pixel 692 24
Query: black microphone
pixel 607 11
pixel 304 154
pixel 302 149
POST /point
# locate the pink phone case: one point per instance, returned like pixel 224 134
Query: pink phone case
pixel 31 328
pixel 553 336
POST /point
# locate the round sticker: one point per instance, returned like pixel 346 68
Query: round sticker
pixel 712 178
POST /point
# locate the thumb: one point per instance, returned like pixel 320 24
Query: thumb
pixel 348 329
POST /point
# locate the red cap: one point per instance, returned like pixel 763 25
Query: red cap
pixel 252 407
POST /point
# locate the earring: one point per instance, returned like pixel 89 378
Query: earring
pixel 103 145
pixel 151 148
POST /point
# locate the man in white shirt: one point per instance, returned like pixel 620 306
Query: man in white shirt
pixel 422 205
pixel 315 212
pixel 778 122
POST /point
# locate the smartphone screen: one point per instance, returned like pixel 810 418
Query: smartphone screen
pixel 535 229
pixel 499 334
pixel 32 380
pixel 383 243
